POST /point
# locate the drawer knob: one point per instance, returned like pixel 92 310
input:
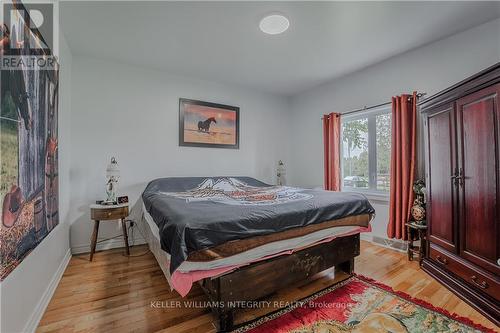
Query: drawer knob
pixel 442 261
pixel 482 284
pixel 109 213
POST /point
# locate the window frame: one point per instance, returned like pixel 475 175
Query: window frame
pixel 370 115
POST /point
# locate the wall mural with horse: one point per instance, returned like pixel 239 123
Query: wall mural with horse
pixel 29 150
pixel 204 124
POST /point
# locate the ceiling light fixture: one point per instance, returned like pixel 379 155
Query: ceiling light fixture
pixel 274 24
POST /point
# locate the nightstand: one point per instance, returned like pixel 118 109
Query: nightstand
pixel 416 232
pixel 100 213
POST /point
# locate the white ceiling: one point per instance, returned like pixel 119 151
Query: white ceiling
pixel 221 41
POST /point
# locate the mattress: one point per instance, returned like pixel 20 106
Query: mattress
pixel 183 279
pixel 150 233
pixel 195 214
pixel 251 255
pixel 235 247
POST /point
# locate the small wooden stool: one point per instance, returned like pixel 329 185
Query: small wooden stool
pixel 107 213
pixel 416 232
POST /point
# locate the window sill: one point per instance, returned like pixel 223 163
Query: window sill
pixel 372 196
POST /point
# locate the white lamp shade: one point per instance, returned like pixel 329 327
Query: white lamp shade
pixel 113 170
pixel 281 168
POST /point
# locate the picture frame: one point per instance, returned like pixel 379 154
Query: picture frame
pixel 208 125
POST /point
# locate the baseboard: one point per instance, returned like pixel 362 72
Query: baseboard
pixel 37 314
pixel 105 245
pixel 393 244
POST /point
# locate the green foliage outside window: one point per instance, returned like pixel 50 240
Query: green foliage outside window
pixel 356 152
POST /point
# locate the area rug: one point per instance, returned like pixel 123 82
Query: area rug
pixel 361 305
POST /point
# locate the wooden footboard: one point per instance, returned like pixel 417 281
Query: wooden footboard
pixel 264 278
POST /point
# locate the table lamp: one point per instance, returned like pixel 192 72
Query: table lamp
pixel 280 172
pixel 112 175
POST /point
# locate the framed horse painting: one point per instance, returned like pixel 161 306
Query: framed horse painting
pixel 205 124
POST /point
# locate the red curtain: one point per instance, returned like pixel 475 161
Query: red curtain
pixel 331 142
pixel 403 163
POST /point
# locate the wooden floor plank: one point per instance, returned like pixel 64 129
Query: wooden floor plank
pixel 114 293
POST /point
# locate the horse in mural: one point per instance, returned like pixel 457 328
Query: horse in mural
pixel 204 126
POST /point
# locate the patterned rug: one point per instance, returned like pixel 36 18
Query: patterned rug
pixel 361 305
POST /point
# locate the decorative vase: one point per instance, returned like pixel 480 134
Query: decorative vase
pixel 418 212
pixel 418 209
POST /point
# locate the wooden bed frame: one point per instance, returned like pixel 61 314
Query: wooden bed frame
pixel 261 279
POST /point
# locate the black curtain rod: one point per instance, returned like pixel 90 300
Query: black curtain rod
pixel 366 108
pixel 375 106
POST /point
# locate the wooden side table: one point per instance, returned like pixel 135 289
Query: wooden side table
pixel 107 213
pixel 416 232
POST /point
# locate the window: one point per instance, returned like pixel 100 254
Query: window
pixel 366 151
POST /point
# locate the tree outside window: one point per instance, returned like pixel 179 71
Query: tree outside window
pixel 366 150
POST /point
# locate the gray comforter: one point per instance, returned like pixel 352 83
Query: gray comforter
pixel 196 213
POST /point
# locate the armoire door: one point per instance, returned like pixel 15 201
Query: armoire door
pixel 441 169
pixel 479 197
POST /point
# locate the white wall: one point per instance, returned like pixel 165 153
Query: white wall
pixel 27 290
pixel 133 114
pixel 427 69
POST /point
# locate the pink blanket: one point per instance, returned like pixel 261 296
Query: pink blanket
pixel 183 281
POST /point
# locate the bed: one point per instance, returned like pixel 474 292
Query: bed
pixel 242 239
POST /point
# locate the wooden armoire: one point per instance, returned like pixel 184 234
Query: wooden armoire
pixel 462 139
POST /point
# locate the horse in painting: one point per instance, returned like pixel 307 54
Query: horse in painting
pixel 204 126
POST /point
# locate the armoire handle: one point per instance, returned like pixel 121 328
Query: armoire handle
pixel 454 177
pixel 482 284
pixel 442 261
pixel 461 177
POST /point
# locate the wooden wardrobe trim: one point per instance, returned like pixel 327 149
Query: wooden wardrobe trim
pixel 476 82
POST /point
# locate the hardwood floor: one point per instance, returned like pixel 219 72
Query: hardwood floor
pixel 115 293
